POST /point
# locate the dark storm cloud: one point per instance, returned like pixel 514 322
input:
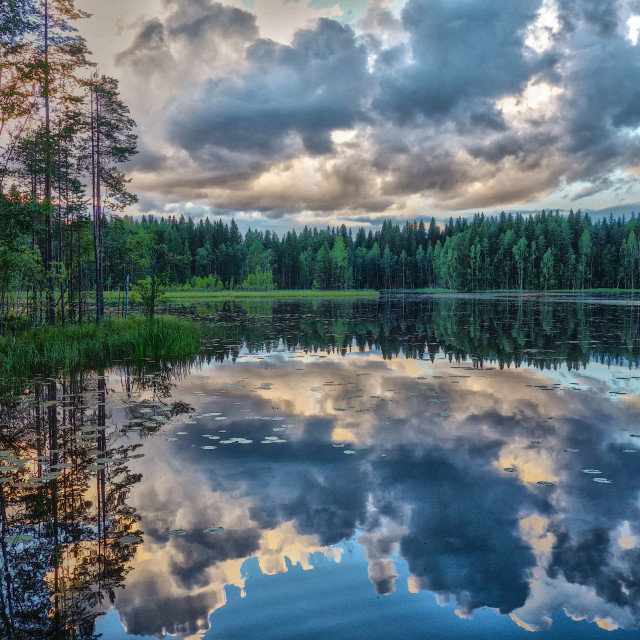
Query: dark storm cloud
pixel 202 551
pixel 589 558
pixel 464 540
pixel 149 52
pixel 148 611
pixel 307 89
pixel 192 30
pixel 599 15
pixel 462 51
pixel 602 108
pixel 203 19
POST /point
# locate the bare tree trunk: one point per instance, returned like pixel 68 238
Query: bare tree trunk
pixel 97 204
pixel 50 309
pixel 60 228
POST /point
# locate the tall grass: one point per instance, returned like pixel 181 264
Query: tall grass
pixel 48 350
pixel 292 294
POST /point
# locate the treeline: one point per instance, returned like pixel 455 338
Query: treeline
pixel 537 252
pixel 63 133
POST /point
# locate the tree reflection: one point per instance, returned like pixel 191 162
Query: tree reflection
pixel 67 534
pixel 511 331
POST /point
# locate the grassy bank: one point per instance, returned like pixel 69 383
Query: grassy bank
pixel 489 292
pixel 48 350
pixel 291 294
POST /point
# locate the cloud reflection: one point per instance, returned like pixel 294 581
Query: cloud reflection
pixel 426 482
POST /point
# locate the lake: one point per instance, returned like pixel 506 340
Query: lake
pixel 411 467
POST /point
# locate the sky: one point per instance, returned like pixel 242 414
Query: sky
pixel 286 113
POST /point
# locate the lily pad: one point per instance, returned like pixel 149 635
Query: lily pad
pixel 593 471
pixel 544 483
pixel 128 539
pixel 178 532
pixel 213 530
pixel 19 537
pixel 510 469
pixel 602 480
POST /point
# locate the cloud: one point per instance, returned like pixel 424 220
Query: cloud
pixel 288 94
pixel 448 106
pixel 444 37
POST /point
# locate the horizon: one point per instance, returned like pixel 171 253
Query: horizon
pixel 595 217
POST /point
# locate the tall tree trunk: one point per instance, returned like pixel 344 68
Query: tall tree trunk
pixel 50 312
pixel 97 206
pixel 60 254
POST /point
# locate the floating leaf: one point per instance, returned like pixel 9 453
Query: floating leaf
pixel 213 530
pixel 602 480
pixel 591 471
pixel 544 483
pixel 20 537
pixel 349 451
pixel 569 450
pixel 178 532
pixel 510 469
pixel 128 539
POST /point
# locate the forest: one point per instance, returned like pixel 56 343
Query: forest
pixel 535 252
pixel 65 134
pixel 545 251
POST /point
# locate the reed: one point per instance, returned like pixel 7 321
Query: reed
pixel 49 350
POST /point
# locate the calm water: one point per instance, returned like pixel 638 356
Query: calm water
pixel 418 468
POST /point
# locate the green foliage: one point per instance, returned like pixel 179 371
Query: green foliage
pixel 480 254
pixel 259 280
pixel 149 291
pixel 48 350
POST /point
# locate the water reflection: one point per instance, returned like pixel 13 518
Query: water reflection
pixel 284 445
pixel 535 330
pixel 67 533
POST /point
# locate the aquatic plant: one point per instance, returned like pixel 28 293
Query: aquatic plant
pixel 48 350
